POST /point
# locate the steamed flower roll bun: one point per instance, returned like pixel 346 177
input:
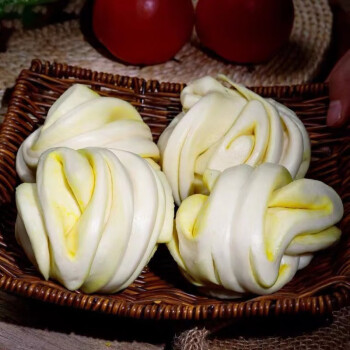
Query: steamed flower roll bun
pixel 81 118
pixel 254 231
pixel 94 217
pixel 221 127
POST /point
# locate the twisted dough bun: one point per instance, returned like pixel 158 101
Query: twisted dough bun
pixel 94 218
pixel 254 231
pixel 81 118
pixel 221 127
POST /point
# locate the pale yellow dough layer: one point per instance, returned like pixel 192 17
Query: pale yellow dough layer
pixel 81 118
pixel 255 229
pixel 221 127
pixel 94 217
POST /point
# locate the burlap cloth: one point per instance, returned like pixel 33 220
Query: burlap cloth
pixel 299 62
pixel 305 334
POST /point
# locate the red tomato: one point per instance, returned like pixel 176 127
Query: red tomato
pixel 143 31
pixel 246 31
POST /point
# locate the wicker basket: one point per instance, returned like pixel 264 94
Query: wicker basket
pixel 160 292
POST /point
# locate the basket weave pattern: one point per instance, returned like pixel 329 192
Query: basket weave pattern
pixel 160 291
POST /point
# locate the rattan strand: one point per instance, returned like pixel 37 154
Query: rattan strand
pixel 160 292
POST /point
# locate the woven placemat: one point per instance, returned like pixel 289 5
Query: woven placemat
pixel 297 63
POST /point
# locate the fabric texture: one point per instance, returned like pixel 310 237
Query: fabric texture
pixel 305 334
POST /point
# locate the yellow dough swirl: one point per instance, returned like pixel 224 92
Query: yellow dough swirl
pixel 254 231
pixel 81 118
pixel 220 127
pixel 94 217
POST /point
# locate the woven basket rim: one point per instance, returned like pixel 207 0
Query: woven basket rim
pixel 317 304
pixel 59 70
